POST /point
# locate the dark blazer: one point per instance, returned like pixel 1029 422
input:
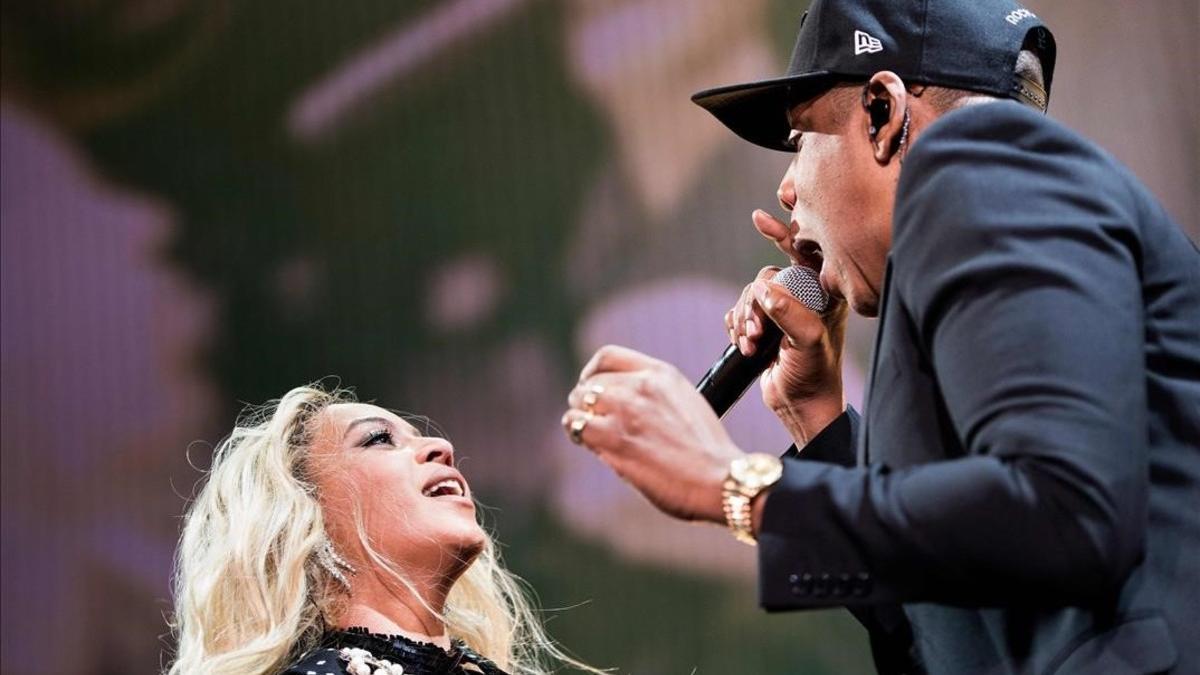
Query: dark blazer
pixel 1023 492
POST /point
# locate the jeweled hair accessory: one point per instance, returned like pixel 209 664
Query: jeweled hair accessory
pixel 335 564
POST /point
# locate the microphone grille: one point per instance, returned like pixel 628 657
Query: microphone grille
pixel 805 284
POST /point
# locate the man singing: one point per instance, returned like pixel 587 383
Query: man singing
pixel 1022 494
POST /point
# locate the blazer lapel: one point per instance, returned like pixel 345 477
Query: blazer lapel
pixel 863 449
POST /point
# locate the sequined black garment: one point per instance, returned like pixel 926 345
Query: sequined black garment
pixel 417 658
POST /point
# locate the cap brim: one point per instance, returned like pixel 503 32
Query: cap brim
pixel 757 111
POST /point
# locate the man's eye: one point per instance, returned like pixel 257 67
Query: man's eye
pixel 380 437
pixel 794 138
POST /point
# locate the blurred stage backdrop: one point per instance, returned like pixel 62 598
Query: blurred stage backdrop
pixel 447 205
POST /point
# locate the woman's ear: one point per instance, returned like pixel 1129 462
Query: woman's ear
pixel 886 103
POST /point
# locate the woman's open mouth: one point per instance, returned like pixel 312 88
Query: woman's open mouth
pixel 446 487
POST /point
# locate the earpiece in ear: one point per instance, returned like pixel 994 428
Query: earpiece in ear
pixel 880 111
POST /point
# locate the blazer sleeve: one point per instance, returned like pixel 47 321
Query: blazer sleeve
pixel 887 626
pixel 1015 261
pixel 835 444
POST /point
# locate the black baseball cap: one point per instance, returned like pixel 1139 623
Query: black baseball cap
pixel 962 44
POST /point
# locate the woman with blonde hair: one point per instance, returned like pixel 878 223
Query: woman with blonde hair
pixel 335 537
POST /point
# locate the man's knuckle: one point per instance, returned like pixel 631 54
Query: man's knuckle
pixel 632 422
pixel 782 308
pixel 809 334
pixel 643 384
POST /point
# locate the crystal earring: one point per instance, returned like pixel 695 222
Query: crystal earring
pixel 904 136
pixel 333 563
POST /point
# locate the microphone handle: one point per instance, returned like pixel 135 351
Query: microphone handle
pixel 732 374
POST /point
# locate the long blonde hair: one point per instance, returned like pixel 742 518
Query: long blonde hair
pixel 250 595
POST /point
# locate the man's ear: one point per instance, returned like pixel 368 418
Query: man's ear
pixel 886 102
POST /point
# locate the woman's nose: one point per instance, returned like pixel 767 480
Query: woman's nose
pixel 436 450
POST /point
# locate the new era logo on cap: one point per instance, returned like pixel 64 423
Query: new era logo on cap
pixel 1014 17
pixel 865 44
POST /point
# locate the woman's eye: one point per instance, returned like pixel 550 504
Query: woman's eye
pixel 381 437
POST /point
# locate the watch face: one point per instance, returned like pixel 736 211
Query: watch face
pixel 756 471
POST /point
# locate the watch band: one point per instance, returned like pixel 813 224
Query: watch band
pixel 748 476
pixel 739 517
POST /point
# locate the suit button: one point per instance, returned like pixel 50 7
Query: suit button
pixel 822 585
pixel 841 585
pixel 861 585
pixel 804 585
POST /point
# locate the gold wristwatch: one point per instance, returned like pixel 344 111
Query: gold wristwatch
pixel 748 476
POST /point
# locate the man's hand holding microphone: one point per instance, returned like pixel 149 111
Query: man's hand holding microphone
pixel 650 425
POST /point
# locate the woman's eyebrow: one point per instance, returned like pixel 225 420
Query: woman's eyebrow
pixel 366 420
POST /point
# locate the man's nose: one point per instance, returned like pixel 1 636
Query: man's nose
pixel 435 450
pixel 787 191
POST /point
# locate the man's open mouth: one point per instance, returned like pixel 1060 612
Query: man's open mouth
pixel 808 254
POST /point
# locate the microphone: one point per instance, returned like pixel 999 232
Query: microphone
pixel 732 374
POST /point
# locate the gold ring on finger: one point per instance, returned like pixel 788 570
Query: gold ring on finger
pixel 592 397
pixel 577 427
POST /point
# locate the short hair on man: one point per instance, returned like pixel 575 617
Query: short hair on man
pixel 1028 67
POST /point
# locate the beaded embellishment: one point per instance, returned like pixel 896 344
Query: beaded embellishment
pixel 363 662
